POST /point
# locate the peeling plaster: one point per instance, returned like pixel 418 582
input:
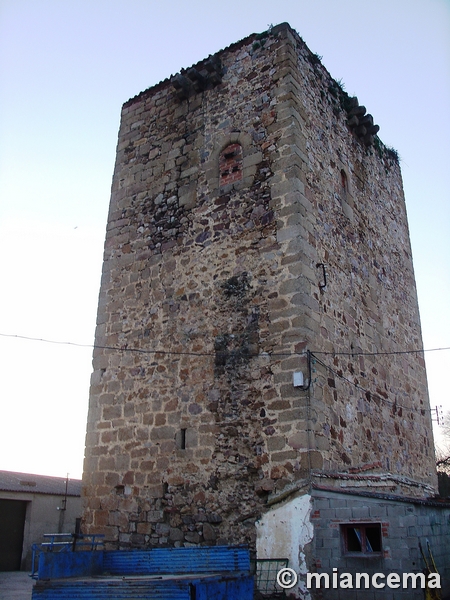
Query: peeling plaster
pixel 284 532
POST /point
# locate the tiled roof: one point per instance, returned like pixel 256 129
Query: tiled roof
pixel 38 484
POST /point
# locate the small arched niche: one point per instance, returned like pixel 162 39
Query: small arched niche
pixel 230 164
pixel 344 193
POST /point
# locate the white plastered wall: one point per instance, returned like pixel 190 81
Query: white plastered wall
pixel 284 532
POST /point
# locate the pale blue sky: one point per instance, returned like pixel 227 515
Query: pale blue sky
pixel 67 66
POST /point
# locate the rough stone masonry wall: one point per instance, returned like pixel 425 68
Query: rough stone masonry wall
pixel 175 447
pixel 210 295
pixel 352 282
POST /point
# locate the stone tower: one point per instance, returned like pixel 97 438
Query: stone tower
pixel 258 319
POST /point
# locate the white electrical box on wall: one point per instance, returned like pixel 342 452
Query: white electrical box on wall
pixel 298 379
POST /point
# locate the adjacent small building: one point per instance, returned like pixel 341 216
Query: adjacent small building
pixel 30 506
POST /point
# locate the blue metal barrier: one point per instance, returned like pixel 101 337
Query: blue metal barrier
pixel 61 543
pixel 219 572
pixel 166 561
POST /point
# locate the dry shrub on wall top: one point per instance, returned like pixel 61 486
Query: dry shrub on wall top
pixel 443 459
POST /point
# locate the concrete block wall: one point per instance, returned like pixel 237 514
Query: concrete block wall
pixel 404 524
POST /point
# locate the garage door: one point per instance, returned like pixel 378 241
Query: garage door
pixel 12 522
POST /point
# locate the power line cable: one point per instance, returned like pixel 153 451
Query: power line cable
pixel 313 354
pixel 390 353
pixel 359 387
pixel 143 351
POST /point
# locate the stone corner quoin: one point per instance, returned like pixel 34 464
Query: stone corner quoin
pixel 257 229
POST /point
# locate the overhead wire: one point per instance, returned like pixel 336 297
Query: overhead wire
pixel 125 348
pixel 141 350
pixel 359 387
pixel 387 353
pixel 310 354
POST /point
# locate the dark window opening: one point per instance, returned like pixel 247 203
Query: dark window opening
pixel 180 439
pixel 362 539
